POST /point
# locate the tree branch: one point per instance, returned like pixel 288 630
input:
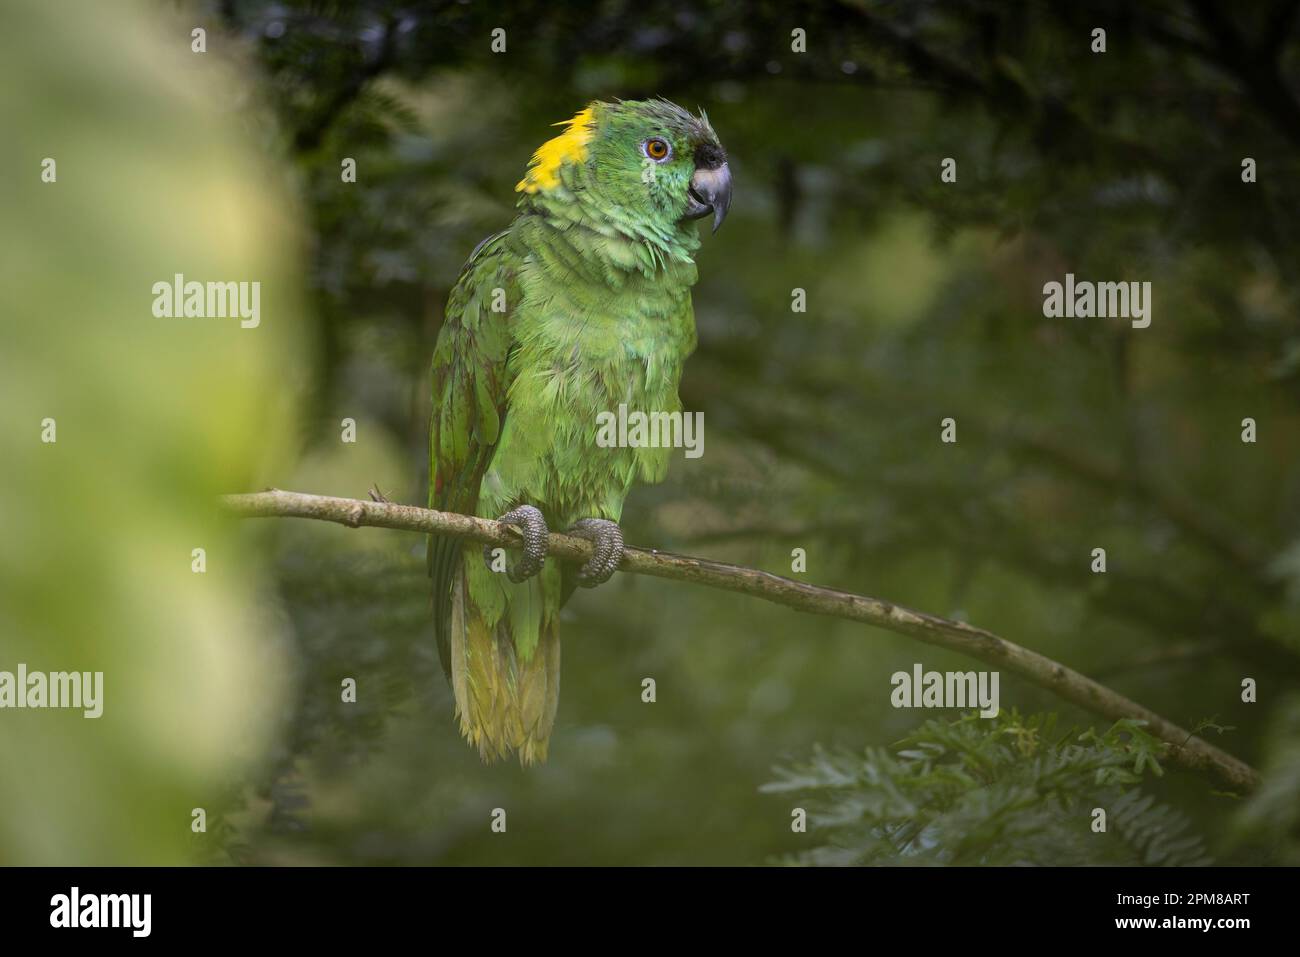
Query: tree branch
pixel 1185 749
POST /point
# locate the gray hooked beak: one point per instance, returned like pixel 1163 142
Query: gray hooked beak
pixel 710 192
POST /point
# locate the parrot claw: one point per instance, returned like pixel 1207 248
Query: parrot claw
pixel 607 539
pixel 530 522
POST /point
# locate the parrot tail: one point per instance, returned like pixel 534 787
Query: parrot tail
pixel 505 701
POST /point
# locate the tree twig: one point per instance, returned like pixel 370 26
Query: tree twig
pixel 1185 749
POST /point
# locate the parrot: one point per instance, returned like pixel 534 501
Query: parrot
pixel 581 304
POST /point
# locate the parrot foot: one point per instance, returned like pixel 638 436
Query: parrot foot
pixel 529 521
pixel 607 539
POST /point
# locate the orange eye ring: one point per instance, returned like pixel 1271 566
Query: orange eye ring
pixel 657 149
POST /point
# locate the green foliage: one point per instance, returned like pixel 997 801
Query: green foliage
pixel 1271 818
pixel 924 301
pixel 152 418
pixel 1006 791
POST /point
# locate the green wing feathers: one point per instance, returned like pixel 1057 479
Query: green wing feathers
pixel 499 650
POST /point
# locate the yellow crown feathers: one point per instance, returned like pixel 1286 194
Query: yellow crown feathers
pixel 569 147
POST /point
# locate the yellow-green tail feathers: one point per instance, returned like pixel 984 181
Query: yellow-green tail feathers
pixel 507 691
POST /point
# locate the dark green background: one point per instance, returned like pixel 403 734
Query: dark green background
pixel 821 428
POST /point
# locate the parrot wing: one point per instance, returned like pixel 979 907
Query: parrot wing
pixel 470 386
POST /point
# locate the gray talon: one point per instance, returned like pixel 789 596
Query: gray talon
pixel 607 541
pixel 528 520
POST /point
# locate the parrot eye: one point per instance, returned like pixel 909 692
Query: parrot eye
pixel 657 149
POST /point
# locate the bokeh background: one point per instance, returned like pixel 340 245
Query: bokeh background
pixel 924 300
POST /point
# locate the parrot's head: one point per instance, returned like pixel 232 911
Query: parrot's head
pixel 644 165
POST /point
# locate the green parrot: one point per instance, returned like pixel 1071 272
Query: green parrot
pixel 583 303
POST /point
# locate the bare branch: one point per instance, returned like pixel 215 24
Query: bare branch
pixel 1185 749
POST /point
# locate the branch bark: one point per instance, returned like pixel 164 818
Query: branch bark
pixel 1185 749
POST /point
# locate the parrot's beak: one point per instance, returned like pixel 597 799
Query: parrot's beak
pixel 710 192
